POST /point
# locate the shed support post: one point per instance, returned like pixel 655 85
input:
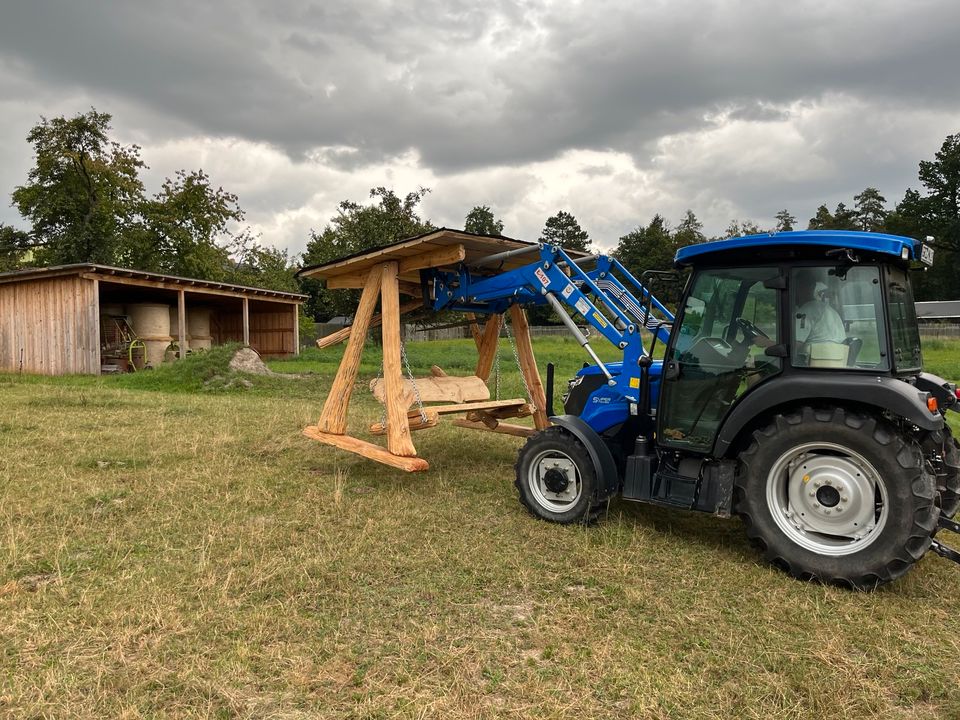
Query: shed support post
pixel 398 428
pixel 528 366
pixel 333 419
pixel 246 322
pixel 182 323
pixel 296 329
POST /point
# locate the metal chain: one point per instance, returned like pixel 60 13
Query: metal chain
pixel 516 356
pixel 383 406
pixel 496 370
pixel 413 381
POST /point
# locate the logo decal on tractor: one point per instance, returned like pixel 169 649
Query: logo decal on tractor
pixel 542 277
pixel 568 290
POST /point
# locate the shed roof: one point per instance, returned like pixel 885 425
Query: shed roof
pixel 475 248
pixel 148 279
pixel 938 309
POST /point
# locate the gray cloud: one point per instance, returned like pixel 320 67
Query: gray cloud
pixel 473 86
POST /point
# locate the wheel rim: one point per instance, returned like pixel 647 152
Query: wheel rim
pixel 827 498
pixel 554 481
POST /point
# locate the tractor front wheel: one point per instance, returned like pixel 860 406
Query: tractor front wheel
pixel 837 497
pixel 556 478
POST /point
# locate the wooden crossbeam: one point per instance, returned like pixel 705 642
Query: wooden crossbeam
pixel 469 406
pixel 449 255
pixel 335 338
pixel 511 411
pixel 367 450
pixel 415 421
pixel 504 428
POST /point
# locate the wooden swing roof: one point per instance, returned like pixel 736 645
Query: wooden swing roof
pixel 441 248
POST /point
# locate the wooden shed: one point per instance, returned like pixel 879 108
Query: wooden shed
pixel 50 318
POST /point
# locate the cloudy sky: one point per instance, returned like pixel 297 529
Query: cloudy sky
pixel 610 110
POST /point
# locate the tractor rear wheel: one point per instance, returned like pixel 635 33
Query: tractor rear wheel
pixel 950 495
pixel 837 497
pixel 556 478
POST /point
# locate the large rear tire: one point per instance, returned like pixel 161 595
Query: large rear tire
pixel 950 495
pixel 556 478
pixel 837 497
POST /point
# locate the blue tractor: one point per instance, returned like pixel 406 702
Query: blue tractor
pixel 787 389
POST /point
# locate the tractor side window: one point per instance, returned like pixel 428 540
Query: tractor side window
pixel 903 321
pixel 729 318
pixel 838 318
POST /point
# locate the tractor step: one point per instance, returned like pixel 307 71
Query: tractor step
pixel 945 551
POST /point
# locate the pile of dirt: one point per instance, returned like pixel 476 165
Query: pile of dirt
pixel 246 360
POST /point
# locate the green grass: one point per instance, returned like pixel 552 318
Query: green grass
pixel 173 551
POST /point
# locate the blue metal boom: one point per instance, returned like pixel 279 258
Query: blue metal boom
pixel 604 297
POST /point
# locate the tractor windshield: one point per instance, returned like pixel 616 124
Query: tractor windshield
pixel 904 332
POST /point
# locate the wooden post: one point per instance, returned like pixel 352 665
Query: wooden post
pixel 182 322
pixel 296 329
pixel 528 365
pixel 489 345
pixel 398 430
pixel 333 419
pixel 246 322
pixel 475 330
pixel 94 350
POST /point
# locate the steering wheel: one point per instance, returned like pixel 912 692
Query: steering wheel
pixel 750 331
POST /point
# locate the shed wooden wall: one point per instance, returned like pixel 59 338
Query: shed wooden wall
pixel 51 324
pixel 271 333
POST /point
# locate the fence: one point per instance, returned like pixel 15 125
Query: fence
pixel 930 331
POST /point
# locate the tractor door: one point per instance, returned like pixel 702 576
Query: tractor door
pixel 728 319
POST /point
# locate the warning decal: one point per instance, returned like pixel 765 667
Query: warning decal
pixel 601 320
pixel 583 307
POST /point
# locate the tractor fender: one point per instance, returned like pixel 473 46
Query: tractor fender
pixel 882 393
pixel 608 479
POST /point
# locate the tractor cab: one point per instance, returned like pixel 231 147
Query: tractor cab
pixel 800 306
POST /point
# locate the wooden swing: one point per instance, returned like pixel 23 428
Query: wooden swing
pixel 384 279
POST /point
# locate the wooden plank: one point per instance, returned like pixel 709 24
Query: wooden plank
pixel 367 450
pixel 348 282
pixel 398 433
pixel 450 255
pixel 333 419
pixel 415 421
pixel 138 282
pixel 528 365
pixel 467 407
pixel 409 288
pixel 525 410
pixel 504 428
pixel 335 338
pixel 489 345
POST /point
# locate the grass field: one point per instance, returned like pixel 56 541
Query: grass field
pixel 170 548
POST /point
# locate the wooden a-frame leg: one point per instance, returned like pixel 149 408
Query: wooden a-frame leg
pixel 398 430
pixel 475 330
pixel 489 344
pixel 528 366
pixel 333 419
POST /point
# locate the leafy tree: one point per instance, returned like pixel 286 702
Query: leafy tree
pixel 15 247
pixel 823 220
pixel 563 229
pixel 357 228
pixel 785 221
pixel 647 248
pixel 265 267
pixel 871 210
pixel 84 191
pixel 941 177
pixel 739 229
pixel 481 221
pixel 844 218
pixel 689 231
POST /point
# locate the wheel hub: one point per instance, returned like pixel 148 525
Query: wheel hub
pixel 556 478
pixel 831 495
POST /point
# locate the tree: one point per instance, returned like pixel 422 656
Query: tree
pixel 15 247
pixel 785 221
pixel 647 248
pixel 563 229
pixel 823 220
pixel 84 191
pixel 357 228
pixel 739 229
pixel 871 210
pixel 941 177
pixel 265 267
pixel 689 231
pixel 844 218
pixel 481 221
